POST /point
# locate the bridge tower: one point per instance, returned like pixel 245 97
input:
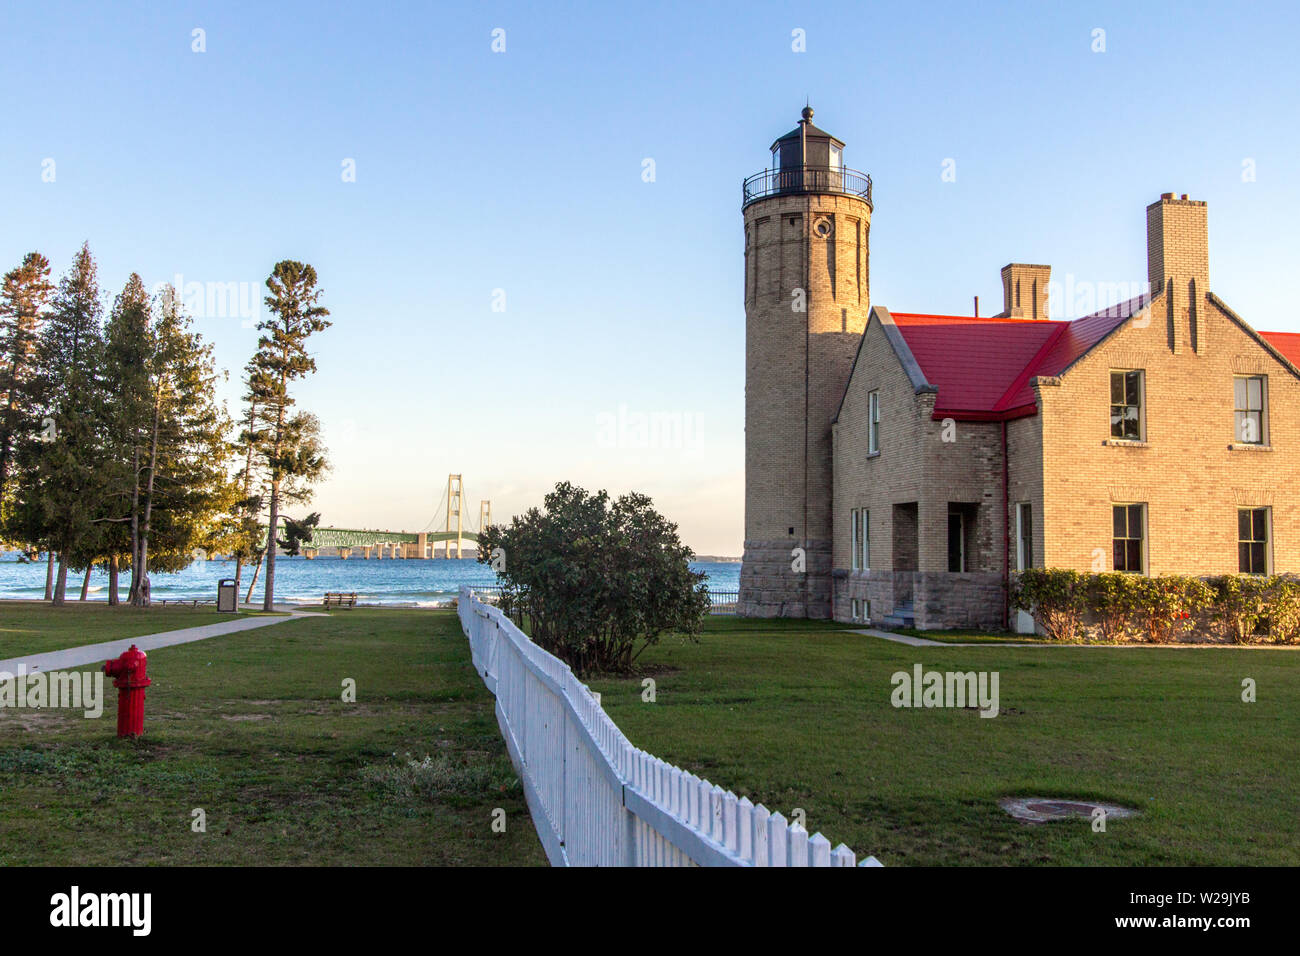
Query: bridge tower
pixel 807 221
pixel 453 512
pixel 484 515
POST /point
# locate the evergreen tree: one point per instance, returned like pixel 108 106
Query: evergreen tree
pixel 23 300
pixel 128 347
pixel 288 443
pixel 184 485
pixel 246 540
pixel 297 533
pixel 58 496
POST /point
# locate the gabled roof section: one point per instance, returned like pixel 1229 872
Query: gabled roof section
pixel 984 367
pixel 880 315
pixel 1283 346
pixel 1288 343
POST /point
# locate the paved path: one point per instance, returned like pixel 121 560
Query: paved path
pixel 98 653
pixel 926 642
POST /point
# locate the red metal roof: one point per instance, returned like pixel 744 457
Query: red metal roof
pixel 1288 343
pixel 983 366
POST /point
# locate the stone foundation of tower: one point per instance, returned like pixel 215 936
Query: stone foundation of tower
pixel 771 587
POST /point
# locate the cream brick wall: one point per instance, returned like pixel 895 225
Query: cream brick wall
pixel 784 348
pixel 1188 471
pixel 915 466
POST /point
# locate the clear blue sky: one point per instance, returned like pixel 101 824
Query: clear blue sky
pixel 522 171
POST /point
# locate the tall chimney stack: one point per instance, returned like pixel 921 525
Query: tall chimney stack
pixel 1178 243
pixel 1024 290
pixel 1178 264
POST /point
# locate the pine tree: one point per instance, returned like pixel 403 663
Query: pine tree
pixel 289 445
pixel 23 301
pixel 128 347
pixel 246 540
pixel 185 484
pixel 59 492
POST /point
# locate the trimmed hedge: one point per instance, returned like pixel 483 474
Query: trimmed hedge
pixel 1113 607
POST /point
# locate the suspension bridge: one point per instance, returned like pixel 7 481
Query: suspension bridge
pixel 367 543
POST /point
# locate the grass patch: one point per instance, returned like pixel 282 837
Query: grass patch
pixel 251 729
pixel 797 714
pixel 30 628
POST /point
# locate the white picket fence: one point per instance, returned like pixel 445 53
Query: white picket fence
pixel 598 801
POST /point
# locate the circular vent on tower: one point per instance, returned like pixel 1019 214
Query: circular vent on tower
pixel 823 227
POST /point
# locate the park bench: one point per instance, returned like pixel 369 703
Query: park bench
pixel 340 599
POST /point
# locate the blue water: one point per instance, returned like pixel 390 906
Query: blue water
pixel 390 581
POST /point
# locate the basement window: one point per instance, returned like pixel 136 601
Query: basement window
pixel 1126 393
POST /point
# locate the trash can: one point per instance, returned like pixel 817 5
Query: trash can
pixel 226 597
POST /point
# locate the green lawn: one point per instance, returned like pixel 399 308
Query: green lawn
pixel 251 729
pixel 29 628
pixel 797 714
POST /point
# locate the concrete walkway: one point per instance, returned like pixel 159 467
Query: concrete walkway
pixel 99 653
pixel 926 642
pixel 911 641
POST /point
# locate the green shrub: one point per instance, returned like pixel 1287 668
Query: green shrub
pixel 598 580
pixel 1056 597
pixel 1111 598
pixel 1284 608
pixel 1241 602
pixel 1165 608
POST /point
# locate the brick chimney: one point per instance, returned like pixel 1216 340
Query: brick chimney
pixel 1178 263
pixel 1024 290
pixel 1178 243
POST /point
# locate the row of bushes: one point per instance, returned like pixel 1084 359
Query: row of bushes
pixel 1111 607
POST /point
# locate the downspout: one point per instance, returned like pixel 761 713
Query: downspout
pixel 1006 534
pixel 807 383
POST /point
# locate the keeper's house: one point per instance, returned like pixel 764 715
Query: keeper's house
pixel 1158 436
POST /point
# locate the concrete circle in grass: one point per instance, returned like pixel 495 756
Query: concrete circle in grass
pixel 1047 809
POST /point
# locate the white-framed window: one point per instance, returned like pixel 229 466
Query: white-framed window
pixel 865 538
pixel 1024 536
pixel 873 423
pixel 837 157
pixel 1254 534
pixel 1127 398
pixel 855 609
pixel 1130 538
pixel 1249 407
pixel 853 539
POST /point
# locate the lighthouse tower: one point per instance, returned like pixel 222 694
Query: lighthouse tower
pixel 807 221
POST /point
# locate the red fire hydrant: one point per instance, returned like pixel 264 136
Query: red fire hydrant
pixel 129 677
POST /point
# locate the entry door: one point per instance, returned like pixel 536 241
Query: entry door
pixel 1024 558
pixel 956 541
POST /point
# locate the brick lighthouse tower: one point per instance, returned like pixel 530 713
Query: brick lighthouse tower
pixel 806 229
